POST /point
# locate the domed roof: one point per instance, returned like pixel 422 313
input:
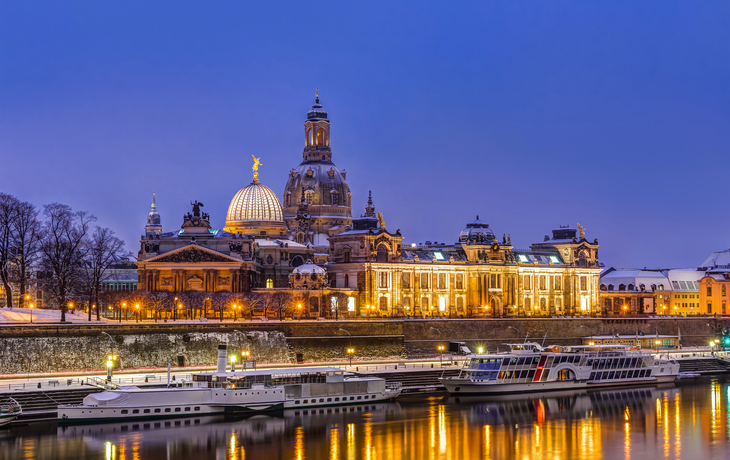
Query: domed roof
pixel 308 268
pixel 323 184
pixel 477 231
pixel 255 206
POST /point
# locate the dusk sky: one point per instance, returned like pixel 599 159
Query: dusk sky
pixel 530 114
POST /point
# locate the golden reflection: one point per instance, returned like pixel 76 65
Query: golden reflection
pixel 627 440
pixel 334 443
pixel 677 431
pixel 486 452
pixel 442 428
pixel 351 441
pixel 665 423
pixel 299 443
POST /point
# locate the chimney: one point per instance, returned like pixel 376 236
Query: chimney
pixel 222 355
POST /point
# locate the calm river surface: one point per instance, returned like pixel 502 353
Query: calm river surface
pixel 688 421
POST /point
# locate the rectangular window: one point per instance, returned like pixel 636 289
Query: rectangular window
pixel 407 302
pixel 557 283
pixel 383 276
pixel 723 291
pixel 583 283
pixel 424 280
pixel 459 281
pixel 709 291
pixel 543 282
pixel 527 283
pixel 346 257
pixel 709 307
pixel 493 281
pixel 406 280
pixel 499 281
pixel 442 281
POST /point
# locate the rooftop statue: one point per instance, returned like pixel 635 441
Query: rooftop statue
pixel 256 163
pixel 582 231
pixel 196 208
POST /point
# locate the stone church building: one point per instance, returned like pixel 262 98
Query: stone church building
pixel 309 241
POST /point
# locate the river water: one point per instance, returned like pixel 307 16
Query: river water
pixel 688 421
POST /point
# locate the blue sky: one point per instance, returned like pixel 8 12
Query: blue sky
pixel 530 114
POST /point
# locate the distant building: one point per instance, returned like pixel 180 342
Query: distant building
pixel 714 286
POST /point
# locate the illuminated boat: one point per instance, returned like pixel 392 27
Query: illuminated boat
pixel 9 411
pixel 222 392
pixel 528 367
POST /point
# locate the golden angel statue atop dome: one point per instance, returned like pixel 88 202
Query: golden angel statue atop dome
pixel 256 163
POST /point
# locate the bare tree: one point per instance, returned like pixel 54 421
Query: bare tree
pixel 266 302
pixel 102 250
pixel 337 303
pixel 26 236
pixel 8 214
pixel 219 301
pixel 195 299
pixel 157 301
pixel 63 250
pixel 280 303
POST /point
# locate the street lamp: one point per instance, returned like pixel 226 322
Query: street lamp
pixel 31 313
pixel 110 360
pixel 480 350
pixel 124 305
pixel 233 363
pixel 137 312
pixel 586 327
pixel 441 349
pixel 299 311
pixel 350 352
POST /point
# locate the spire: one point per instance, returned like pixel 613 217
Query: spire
pixel 369 209
pixel 154 223
pixel 316 96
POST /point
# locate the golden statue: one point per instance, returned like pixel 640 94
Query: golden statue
pixel 256 163
pixel 582 231
pixel 381 222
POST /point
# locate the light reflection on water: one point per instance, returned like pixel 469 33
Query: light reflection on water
pixel 641 423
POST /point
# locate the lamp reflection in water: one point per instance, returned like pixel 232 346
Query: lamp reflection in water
pixel 351 441
pixel 299 443
pixel 334 443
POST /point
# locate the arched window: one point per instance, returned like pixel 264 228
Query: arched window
pixel 320 137
pixel 582 260
pixel 347 280
pixel 287 199
pixel 335 198
pixel 269 283
pixel 621 287
pixel 308 196
pixel 610 287
pixel 631 287
pixel 309 137
pixel 297 261
pixel 300 238
pixel 382 253
pixel 661 287
pixel 383 303
pixel 603 287
pixel 346 255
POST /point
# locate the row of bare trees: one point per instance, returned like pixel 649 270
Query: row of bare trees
pixel 57 248
pixel 193 304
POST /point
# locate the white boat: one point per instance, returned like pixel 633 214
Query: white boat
pixel 232 392
pixel 9 411
pixel 528 367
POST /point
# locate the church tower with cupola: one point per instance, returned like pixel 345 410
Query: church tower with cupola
pixel 323 185
pixel 154 223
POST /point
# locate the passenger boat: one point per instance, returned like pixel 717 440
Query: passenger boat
pixel 232 392
pixel 528 367
pixel 9 411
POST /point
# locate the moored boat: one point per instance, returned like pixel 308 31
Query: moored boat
pixel 528 367
pixel 232 392
pixel 9 411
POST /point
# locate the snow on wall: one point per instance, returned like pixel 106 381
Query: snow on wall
pixel 54 354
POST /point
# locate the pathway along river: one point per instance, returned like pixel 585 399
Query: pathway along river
pixel 688 421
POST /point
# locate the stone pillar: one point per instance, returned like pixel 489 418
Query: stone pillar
pixel 141 276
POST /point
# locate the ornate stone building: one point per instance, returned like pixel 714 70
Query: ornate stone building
pixel 318 183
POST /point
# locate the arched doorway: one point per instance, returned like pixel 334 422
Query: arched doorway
pixel 382 253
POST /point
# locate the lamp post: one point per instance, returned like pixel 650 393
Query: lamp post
pixel 137 312
pixel 299 311
pixel 31 313
pixel 110 360
pixel 233 363
pixel 124 306
pixel 244 357
pixel 441 355
pixel 350 352
pixel 586 327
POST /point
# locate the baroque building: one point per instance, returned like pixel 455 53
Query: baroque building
pixel 309 245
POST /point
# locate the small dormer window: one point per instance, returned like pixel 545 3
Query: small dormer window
pixel 438 256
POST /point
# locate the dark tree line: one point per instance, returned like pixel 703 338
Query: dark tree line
pixel 57 248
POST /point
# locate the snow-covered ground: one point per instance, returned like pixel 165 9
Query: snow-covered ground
pixel 22 315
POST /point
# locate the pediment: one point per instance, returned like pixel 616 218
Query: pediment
pixel 192 254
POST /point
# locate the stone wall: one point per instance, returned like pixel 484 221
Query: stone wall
pixel 31 349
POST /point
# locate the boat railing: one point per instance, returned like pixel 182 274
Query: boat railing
pixel 393 386
pixel 101 383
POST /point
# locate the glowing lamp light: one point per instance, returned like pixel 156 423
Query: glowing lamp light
pixel 658 342
pixel 233 358
pixel 480 349
pixel 109 363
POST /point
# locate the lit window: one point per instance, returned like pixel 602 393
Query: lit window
pixel 438 256
pixel 442 303
pixel 350 304
pixel 523 258
pixel 554 259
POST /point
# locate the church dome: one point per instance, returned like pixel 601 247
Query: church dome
pixel 477 232
pixel 255 209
